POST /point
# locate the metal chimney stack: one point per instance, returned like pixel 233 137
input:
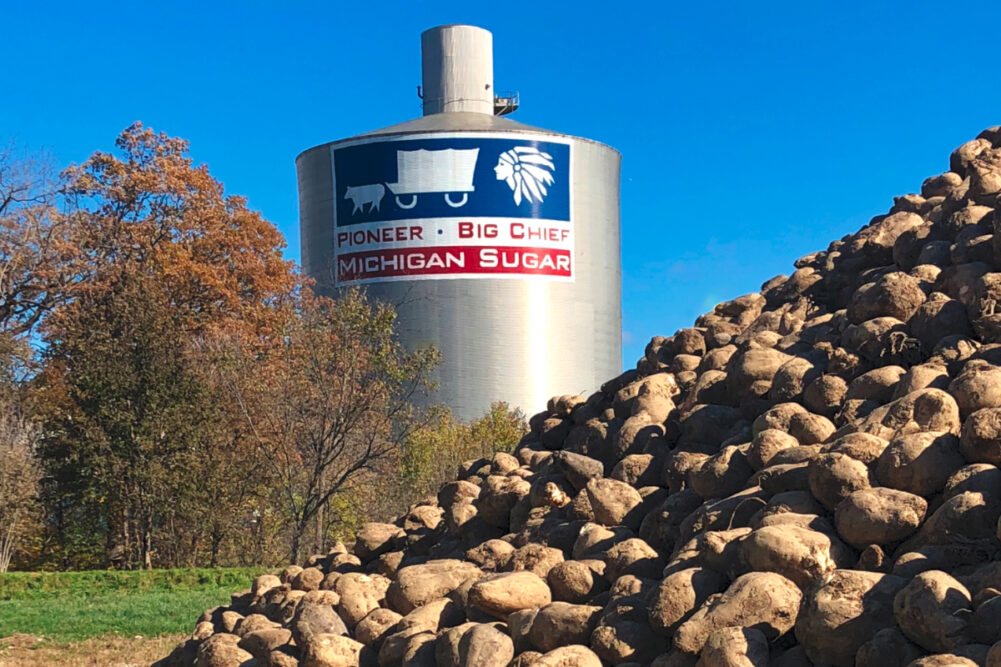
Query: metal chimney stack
pixel 457 69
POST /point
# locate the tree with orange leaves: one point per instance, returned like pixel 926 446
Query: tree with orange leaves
pixel 170 260
pixel 151 211
pixel 39 258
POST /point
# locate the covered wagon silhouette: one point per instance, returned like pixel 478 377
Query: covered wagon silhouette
pixel 448 172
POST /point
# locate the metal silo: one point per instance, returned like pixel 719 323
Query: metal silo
pixel 497 242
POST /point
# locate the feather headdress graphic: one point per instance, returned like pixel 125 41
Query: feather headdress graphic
pixel 527 171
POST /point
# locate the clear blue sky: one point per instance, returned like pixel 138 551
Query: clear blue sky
pixel 751 133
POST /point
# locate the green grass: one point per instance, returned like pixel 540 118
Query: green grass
pixel 71 606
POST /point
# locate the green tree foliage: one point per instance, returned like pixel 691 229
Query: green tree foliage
pixel 122 417
pixel 432 454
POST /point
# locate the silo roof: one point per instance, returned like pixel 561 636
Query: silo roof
pixel 458 121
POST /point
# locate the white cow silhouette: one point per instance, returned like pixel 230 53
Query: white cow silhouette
pixel 365 194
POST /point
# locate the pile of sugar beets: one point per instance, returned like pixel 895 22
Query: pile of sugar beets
pixel 808 476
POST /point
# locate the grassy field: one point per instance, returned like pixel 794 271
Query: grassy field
pixel 44 612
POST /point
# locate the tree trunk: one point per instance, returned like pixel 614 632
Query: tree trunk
pixel 193 553
pixel 61 536
pixel 216 543
pixel 127 551
pixel 297 531
pixel 6 547
pixel 321 533
pixel 147 537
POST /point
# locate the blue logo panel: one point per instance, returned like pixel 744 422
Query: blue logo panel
pixel 452 177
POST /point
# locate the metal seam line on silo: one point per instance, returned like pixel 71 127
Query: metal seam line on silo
pixel 497 242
